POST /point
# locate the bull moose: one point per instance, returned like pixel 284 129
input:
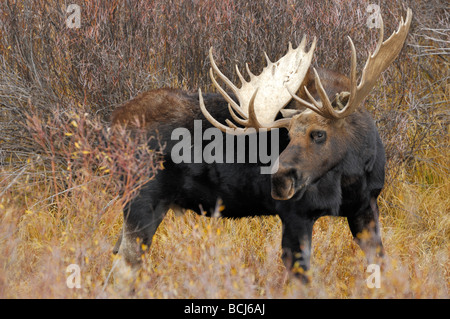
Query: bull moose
pixel 331 158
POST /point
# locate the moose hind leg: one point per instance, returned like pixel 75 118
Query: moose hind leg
pixel 365 228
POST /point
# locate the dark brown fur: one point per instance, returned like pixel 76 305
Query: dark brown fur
pixel 166 105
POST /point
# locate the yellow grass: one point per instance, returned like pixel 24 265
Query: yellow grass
pixel 198 257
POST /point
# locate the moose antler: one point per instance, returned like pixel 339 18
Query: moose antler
pixel 261 98
pixel 385 53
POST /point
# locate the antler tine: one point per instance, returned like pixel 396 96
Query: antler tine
pixel 316 106
pixel 235 90
pixel 235 117
pixel 233 129
pixel 267 59
pixel 241 78
pixel 207 115
pixel 231 102
pixel 248 71
pixel 326 109
pixel 221 75
pixel 352 104
pixel 251 120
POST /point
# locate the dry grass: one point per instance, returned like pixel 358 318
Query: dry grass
pixel 198 257
pixel 59 191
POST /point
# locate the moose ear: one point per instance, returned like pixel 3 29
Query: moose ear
pixel 289 112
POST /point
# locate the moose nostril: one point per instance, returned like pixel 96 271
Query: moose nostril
pixel 290 173
pixel 284 183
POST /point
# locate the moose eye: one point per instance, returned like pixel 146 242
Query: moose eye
pixel 318 136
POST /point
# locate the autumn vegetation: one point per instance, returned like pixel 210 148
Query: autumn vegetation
pixel 65 176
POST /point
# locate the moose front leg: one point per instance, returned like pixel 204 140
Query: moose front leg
pixel 296 245
pixel 140 223
pixel 365 228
